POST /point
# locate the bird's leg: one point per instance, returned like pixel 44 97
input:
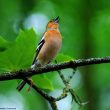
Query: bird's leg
pixel 31 83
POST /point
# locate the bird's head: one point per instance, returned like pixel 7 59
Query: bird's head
pixel 53 24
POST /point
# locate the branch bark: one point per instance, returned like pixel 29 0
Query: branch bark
pixel 21 74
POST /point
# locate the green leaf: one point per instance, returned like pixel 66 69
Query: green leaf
pixel 4 46
pixel 63 58
pixel 19 53
pixel 24 49
pixel 43 82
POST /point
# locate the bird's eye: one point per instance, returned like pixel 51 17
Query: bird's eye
pixel 50 21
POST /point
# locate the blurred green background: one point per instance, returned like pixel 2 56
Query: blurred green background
pixel 85 27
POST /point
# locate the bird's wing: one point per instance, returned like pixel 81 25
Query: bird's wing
pixel 40 44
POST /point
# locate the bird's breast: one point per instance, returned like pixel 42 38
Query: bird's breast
pixel 49 51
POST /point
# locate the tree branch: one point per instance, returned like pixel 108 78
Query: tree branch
pixel 22 74
pixel 70 64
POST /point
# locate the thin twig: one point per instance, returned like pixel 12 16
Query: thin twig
pixel 68 87
pixel 53 105
pixel 71 76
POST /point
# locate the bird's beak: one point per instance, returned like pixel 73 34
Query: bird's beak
pixel 56 20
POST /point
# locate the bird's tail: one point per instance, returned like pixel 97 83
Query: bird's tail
pixel 21 85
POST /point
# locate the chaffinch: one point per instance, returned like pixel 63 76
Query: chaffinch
pixel 47 48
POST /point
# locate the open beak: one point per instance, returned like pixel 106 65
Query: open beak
pixel 56 20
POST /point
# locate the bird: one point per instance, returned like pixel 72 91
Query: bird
pixel 47 48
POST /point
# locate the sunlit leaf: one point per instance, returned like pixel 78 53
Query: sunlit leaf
pixel 18 54
pixel 63 58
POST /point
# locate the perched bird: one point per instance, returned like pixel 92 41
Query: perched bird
pixel 47 48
